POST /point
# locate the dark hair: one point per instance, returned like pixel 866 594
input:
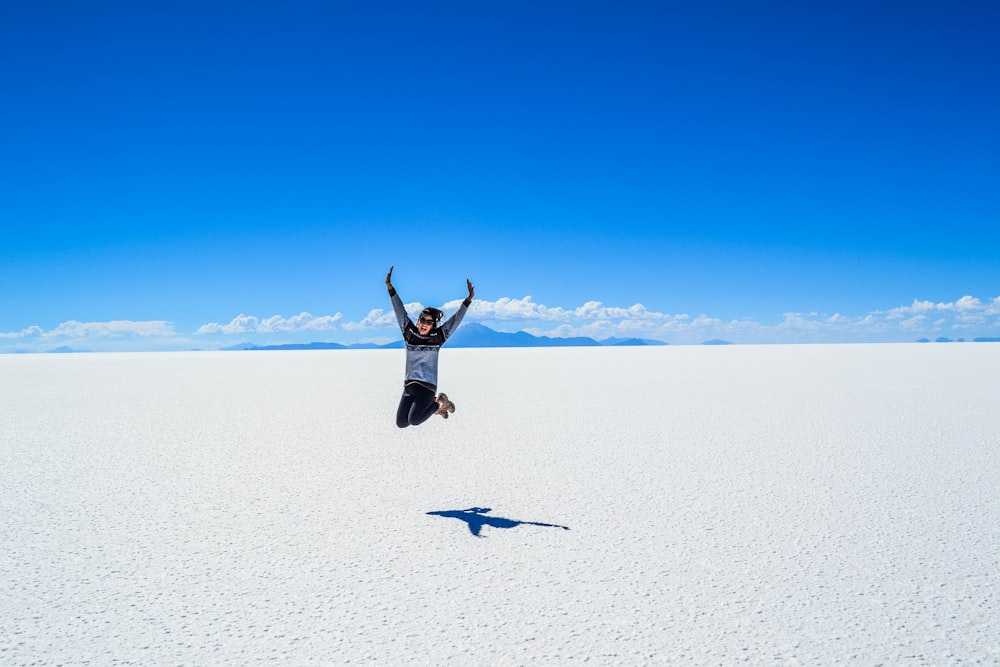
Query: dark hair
pixel 433 313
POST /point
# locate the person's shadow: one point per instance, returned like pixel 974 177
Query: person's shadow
pixel 476 518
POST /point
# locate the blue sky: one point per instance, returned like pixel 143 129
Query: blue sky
pixel 192 175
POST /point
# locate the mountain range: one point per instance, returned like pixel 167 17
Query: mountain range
pixel 478 335
pixel 468 335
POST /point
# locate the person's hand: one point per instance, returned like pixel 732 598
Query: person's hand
pixel 472 291
pixel 388 278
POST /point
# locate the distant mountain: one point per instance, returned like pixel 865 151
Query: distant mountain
pixel 309 346
pixel 468 335
pixel 300 346
pixel 621 342
pixel 478 335
pixel 65 349
pixel 237 347
pixel 986 340
pixel 716 341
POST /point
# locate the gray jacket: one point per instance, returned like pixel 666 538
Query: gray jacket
pixel 422 351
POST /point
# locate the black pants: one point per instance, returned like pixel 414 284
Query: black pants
pixel 416 405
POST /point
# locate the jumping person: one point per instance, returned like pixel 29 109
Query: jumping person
pixel 423 343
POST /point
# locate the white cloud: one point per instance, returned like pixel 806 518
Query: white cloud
pixel 112 335
pixel 30 332
pixel 915 323
pixel 967 317
pixel 300 322
pixel 967 303
pixel 377 319
pixel 510 309
pixel 239 324
pixel 594 319
pixel 524 309
pixel 113 329
pixel 276 323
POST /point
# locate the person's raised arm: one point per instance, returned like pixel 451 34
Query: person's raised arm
pixel 452 322
pixel 388 281
pixel 397 304
pixel 472 293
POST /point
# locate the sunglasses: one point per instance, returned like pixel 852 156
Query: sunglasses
pixel 426 320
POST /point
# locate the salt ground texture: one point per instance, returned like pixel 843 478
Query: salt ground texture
pixel 705 505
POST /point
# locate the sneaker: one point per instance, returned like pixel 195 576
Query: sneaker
pixel 445 402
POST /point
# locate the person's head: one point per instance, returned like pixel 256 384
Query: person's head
pixel 428 320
